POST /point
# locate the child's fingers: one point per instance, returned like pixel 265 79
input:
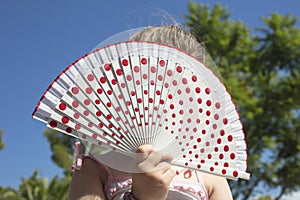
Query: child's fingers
pixel 157 160
pixel 142 153
pixel 147 148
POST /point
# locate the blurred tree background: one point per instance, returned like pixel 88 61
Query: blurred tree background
pixel 261 69
pixel 1 142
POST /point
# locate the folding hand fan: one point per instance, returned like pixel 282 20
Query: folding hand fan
pixel 133 93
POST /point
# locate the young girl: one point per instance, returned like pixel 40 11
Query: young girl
pixel 96 181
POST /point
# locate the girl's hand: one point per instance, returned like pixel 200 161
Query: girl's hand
pixel 154 183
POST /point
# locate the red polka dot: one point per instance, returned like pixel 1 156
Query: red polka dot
pixel 160 77
pixel 199 100
pixel 128 77
pixel 77 126
pixel 144 61
pixel 174 82
pixel 75 90
pixel 107 67
pixel 88 90
pixel 225 121
pixel 98 113
pixel 162 63
pixel 86 112
pixel 99 90
pixel 76 115
pixel 114 81
pixel 222 132
pixel 184 80
pixel 94 136
pixel 109 116
pixel 179 69
pixel 197 90
pixel 136 69
pixel 151 100
pixel 102 79
pixel 194 78
pixel 207 113
pixel 62 106
pixel 216 116
pixel 232 156
pixel 97 101
pixel 90 77
pixel 235 173
pixel 65 120
pixel 87 102
pixel 226 148
pixel 125 62
pixel 229 138
pixel 75 104
pixel 218 105
pixel 187 90
pixel 109 92
pixel 215 126
pixel 207 91
pixel 223 171
pixel 119 72
pixel 53 124
pixel 221 156
pixel 207 143
pixel 208 102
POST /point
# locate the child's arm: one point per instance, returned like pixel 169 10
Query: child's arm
pixel 86 183
pixel 217 187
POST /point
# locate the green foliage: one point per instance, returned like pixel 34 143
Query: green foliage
pixel 9 194
pixel 62 147
pixel 261 73
pixel 35 188
pixel 1 141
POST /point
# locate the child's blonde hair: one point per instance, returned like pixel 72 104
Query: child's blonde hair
pixel 172 36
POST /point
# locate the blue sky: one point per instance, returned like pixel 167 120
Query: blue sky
pixel 39 38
